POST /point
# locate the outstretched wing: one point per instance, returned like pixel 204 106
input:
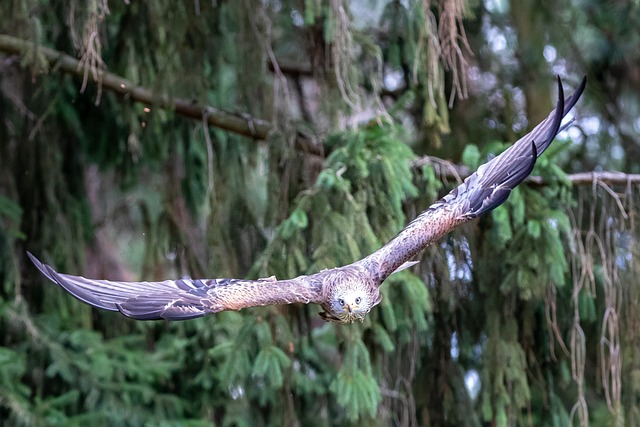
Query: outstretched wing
pixel 185 298
pixel 481 192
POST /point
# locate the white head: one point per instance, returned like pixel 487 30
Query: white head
pixel 353 301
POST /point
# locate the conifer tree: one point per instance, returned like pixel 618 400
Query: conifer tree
pixel 148 140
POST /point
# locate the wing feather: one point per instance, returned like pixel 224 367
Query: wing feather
pixel 481 192
pixel 183 299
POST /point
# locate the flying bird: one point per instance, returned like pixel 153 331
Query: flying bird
pixel 345 293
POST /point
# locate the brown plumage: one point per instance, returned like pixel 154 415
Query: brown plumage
pixel 345 293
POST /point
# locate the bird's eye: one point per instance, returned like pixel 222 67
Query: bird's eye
pixel 358 300
pixel 341 301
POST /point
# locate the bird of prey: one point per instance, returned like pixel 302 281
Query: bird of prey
pixel 345 293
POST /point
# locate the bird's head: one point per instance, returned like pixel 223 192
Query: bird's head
pixel 351 301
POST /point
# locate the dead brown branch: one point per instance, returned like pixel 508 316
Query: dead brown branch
pixel 241 124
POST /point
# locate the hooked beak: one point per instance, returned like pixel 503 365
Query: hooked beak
pixel 348 307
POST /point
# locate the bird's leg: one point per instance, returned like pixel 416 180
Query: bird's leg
pixel 329 318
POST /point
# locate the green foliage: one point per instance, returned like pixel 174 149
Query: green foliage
pixel 362 188
pixel 100 185
pixel 13 393
pixel 471 156
pixel 506 386
pixel 354 387
pixel 406 306
pixel 10 214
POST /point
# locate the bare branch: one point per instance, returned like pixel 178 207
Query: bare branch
pixel 240 124
pixel 588 178
pixel 447 170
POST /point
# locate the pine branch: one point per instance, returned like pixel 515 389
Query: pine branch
pixel 448 171
pixel 241 124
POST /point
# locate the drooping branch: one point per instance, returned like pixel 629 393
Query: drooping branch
pixel 240 124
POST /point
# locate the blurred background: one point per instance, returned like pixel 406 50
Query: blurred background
pixel 154 140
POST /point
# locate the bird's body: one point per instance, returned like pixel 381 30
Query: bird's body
pixel 345 293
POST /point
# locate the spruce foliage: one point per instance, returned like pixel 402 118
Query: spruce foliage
pixel 310 155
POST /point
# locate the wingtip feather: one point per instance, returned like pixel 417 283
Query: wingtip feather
pixel 77 291
pixel 505 172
